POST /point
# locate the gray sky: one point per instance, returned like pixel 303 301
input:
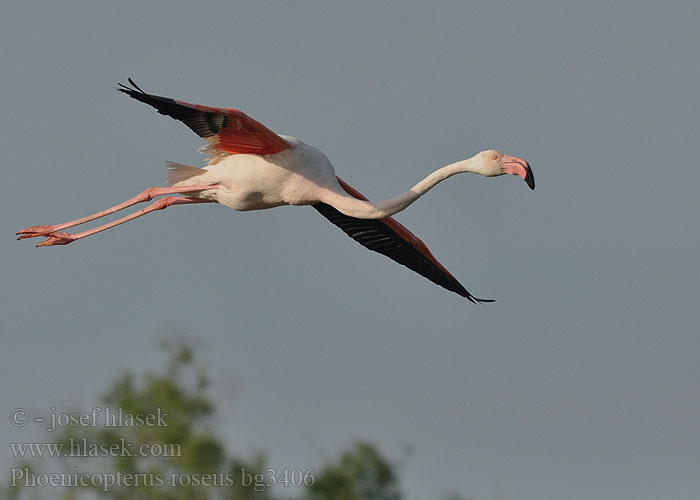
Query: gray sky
pixel 582 381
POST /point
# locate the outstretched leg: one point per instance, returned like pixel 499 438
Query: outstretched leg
pixel 59 238
pixel 146 195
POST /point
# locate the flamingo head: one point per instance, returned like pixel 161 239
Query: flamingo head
pixel 496 163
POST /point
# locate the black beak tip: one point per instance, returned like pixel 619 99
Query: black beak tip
pixel 530 178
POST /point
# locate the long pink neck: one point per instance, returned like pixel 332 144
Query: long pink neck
pixel 379 210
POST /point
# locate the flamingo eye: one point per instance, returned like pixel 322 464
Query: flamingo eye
pixel 494 157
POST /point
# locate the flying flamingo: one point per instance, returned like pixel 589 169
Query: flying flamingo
pixel 250 167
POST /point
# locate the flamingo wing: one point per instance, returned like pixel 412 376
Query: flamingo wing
pixel 228 131
pixel 388 237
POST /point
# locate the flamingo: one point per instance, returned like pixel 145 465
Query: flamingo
pixel 250 167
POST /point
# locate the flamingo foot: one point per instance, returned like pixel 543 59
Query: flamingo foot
pixel 36 231
pixel 57 238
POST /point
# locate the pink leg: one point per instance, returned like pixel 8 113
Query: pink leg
pixel 146 195
pixel 59 238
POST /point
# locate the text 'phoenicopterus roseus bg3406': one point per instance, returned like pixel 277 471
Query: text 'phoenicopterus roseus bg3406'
pixel 252 168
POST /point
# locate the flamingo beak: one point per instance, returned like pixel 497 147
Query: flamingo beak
pixel 517 166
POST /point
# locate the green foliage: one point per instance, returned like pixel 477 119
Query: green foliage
pixel 184 449
pixel 360 473
pixel 178 447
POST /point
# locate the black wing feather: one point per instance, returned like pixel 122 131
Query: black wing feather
pixel 374 235
pixel 203 123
